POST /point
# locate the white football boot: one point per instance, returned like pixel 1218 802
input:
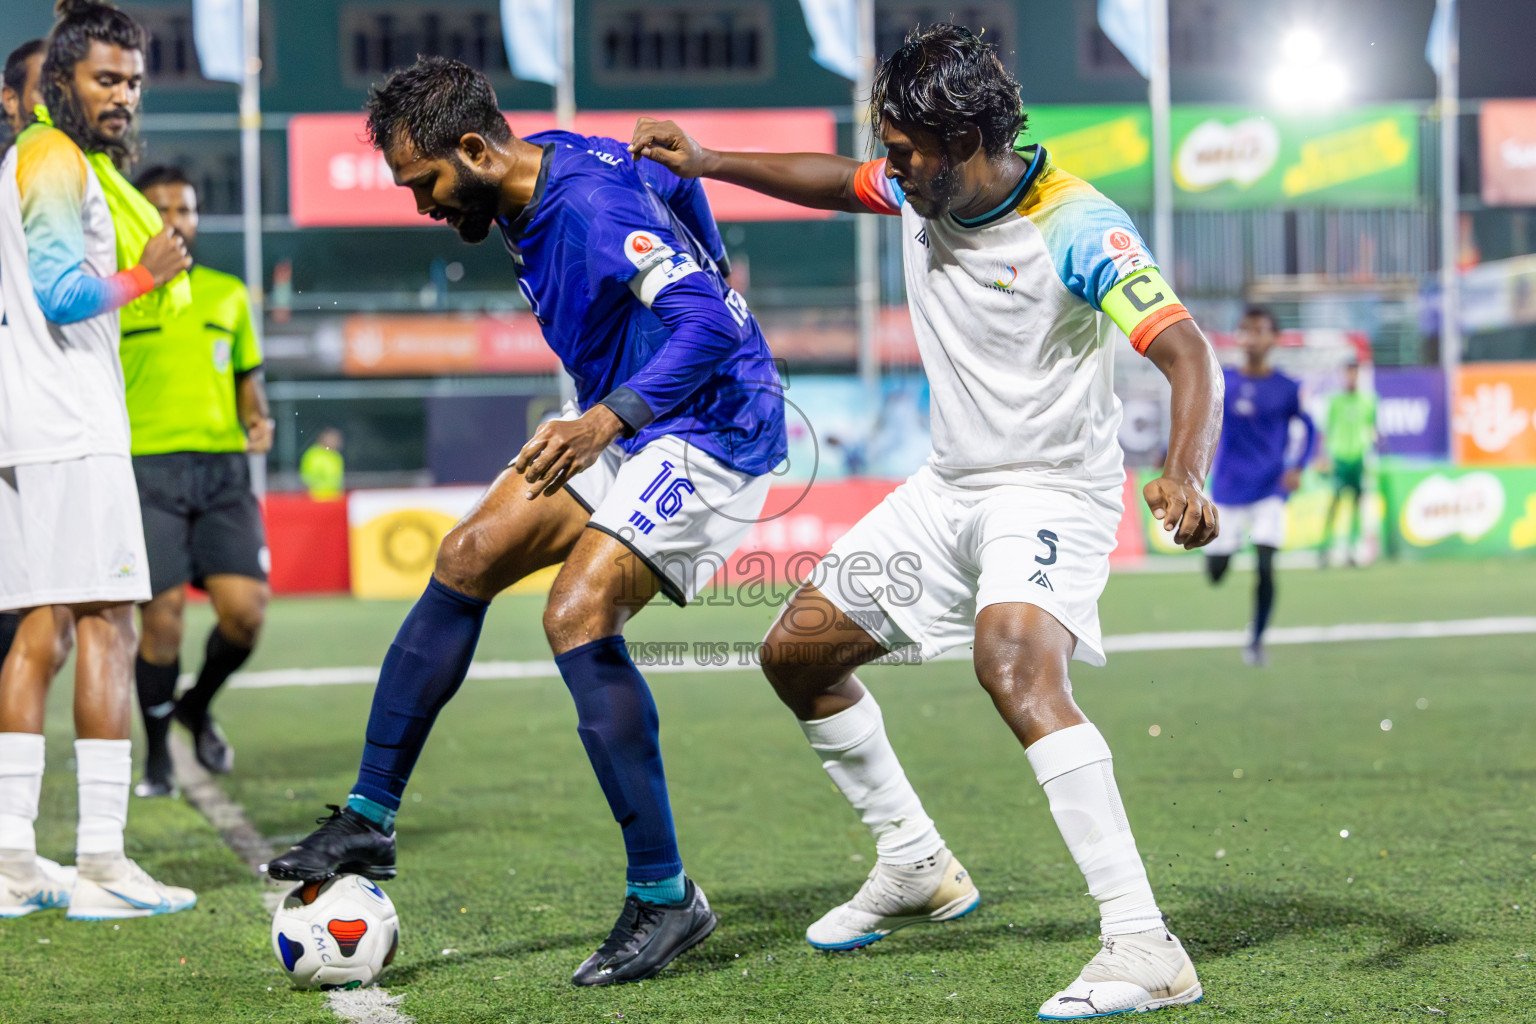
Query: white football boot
pixel 46 888
pixel 1130 974
pixel 129 892
pixel 938 889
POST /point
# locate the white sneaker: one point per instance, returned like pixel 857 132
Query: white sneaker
pixel 1130 974
pixel 47 889
pixel 939 889
pixel 130 892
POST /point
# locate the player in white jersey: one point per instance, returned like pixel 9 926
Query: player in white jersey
pixel 71 543
pixel 1019 278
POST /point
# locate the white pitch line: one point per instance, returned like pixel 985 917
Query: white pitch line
pixel 1121 644
pixel 367 1006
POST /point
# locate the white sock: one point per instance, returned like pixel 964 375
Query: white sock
pixel 1075 769
pixel 855 752
pixel 105 768
pixel 21 782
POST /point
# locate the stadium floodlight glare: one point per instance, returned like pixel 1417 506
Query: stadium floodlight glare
pixel 1306 78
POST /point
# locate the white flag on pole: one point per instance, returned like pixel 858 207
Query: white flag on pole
pixel 1128 24
pixel 834 26
pixel 218 30
pixel 1439 39
pixel 531 29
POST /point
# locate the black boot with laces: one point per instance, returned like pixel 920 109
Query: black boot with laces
pixel 346 843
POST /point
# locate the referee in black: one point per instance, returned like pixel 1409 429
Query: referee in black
pixel 197 407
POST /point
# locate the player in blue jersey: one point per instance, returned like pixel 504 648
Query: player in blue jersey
pixel 650 481
pixel 1254 470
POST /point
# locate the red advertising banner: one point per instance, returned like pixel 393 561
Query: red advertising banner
pixel 1508 129
pixel 336 179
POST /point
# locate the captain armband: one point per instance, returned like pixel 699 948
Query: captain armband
pixel 1143 306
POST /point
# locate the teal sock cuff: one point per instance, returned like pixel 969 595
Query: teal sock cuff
pixel 372 810
pixel 663 891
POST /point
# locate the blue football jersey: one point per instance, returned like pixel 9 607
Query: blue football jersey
pixel 606 252
pixel 1255 435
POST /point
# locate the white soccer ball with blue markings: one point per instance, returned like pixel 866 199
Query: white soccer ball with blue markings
pixel 339 933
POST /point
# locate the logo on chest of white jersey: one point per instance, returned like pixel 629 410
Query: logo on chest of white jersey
pixel 1005 279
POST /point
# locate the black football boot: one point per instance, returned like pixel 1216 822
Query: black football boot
pixel 213 750
pixel 646 938
pixel 346 843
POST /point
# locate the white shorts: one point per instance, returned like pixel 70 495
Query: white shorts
pixel 70 533
pixel 1262 521
pixel 682 511
pixel 923 563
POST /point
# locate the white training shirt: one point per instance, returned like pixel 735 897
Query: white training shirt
pixel 1009 311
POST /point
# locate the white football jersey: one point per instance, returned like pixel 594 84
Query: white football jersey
pixel 61 382
pixel 1015 315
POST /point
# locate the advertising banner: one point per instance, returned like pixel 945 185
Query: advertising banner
pixel 1410 411
pixel 1460 513
pixel 1493 415
pixel 337 179
pixel 1233 157
pixel 425 344
pixel 1508 130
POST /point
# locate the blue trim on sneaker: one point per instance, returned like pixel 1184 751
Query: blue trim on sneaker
pixel 873 937
pixel 1117 1013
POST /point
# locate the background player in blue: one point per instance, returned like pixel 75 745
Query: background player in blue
pixel 650 482
pixel 1253 474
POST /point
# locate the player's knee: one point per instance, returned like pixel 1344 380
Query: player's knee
pixel 1024 677
pixel 462 559
pixel 241 624
pixel 572 618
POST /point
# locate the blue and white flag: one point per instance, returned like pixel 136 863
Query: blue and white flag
pixel 1128 24
pixel 1439 39
pixel 531 29
pixel 834 26
pixel 218 30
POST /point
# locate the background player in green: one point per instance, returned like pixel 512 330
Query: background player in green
pixel 322 467
pixel 1350 438
pixel 197 405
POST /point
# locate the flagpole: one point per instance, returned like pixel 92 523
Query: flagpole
pixel 867 237
pixel 1159 99
pixel 565 87
pixel 1450 198
pixel 250 156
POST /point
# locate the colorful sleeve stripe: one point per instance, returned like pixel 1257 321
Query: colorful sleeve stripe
pixel 51 175
pixel 875 190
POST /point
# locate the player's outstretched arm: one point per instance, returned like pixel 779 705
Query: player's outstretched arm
pixel 1178 497
pixel 821 181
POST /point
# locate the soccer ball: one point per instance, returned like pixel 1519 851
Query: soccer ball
pixel 339 933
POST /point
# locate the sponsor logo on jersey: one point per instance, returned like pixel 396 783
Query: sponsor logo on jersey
pixel 1124 251
pixel 1001 285
pixel 645 249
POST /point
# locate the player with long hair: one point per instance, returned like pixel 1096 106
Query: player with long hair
pixel 1019 277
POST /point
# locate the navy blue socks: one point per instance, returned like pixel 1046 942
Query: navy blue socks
pixel 423 669
pixel 618 725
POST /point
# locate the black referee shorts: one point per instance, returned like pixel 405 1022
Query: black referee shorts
pixel 200 518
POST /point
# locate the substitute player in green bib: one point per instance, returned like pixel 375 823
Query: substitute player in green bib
pixel 197 406
pixel 1351 439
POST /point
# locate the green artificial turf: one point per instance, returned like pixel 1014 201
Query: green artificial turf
pixel 512 869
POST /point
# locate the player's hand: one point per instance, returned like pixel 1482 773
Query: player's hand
pixel 165 256
pixel 258 435
pixel 1291 480
pixel 560 449
pixel 670 146
pixel 1183 508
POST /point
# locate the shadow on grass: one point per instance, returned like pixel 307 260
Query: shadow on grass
pixel 1220 922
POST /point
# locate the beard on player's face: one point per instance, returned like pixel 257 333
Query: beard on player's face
pixel 470 208
pixel 936 196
